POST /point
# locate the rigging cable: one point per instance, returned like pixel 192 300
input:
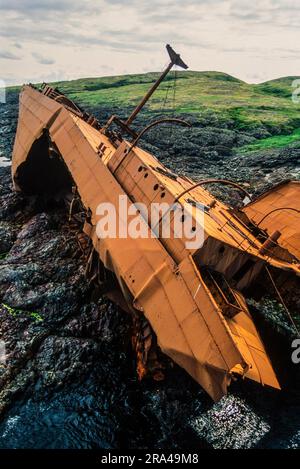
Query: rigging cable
pixel 282 301
pixel 167 94
pixel 173 100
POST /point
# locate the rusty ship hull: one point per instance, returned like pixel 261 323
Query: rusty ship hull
pixel 200 321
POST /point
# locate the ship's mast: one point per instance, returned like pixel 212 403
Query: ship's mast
pixel 175 60
pixel 125 125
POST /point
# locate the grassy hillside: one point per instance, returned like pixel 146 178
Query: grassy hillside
pixel 249 133
pixel 263 110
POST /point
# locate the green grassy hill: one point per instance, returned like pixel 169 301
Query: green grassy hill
pixel 240 131
pixel 211 98
pixel 263 110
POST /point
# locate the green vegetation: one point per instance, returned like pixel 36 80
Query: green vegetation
pixel 278 141
pixel 281 87
pixel 245 106
pixel 213 98
pixel 14 312
pixel 36 316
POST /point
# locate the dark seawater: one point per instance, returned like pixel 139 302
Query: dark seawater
pixel 102 405
pixel 84 419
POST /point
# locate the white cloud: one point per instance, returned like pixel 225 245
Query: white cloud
pixel 43 60
pixel 76 38
pixel 7 55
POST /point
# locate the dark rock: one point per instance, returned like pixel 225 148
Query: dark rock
pixel 8 234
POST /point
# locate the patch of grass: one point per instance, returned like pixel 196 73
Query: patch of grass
pixel 3 255
pixel 37 317
pixel 14 312
pixel 281 87
pixel 278 141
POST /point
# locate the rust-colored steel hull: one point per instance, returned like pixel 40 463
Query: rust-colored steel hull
pixel 279 209
pixel 159 278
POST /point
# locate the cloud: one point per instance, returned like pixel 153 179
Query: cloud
pixel 29 7
pixel 85 22
pixel 8 55
pixel 42 60
pixel 82 37
pixel 130 41
pixel 272 12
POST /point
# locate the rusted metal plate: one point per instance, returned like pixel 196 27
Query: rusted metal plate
pixel 279 210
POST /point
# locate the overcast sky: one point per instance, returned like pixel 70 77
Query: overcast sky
pixel 255 40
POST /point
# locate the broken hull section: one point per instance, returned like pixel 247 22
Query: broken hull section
pixel 279 210
pixel 212 337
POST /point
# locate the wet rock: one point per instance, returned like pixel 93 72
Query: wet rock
pixel 37 224
pixel 8 234
pixel 8 123
pixel 100 321
pixel 28 277
pixel 5 181
pixel 62 361
pixel 230 423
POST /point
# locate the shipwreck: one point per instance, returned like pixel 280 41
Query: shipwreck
pixel 190 303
